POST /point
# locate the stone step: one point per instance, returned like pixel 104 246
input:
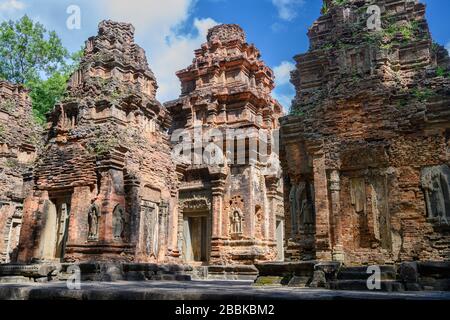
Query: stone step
pixel 225 272
pixel 361 285
pixel 438 270
pixel 302 268
pixel 98 272
pixel 133 272
pixel 360 273
pixel 434 284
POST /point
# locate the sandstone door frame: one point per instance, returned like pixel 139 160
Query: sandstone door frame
pixel 56 230
pixel 279 237
pixel 12 231
pixel 197 230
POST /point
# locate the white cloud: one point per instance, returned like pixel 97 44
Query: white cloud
pixel 159 30
pixel 175 54
pixel 203 26
pixel 10 9
pixel 287 8
pixel 149 15
pixel 284 91
pixel 283 73
pixel 278 27
pixel 167 31
pixel 448 47
pixel 11 5
pixel 284 99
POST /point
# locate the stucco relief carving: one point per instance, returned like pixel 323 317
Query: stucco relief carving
pixel 93 217
pixel 301 207
pixel 436 185
pixel 118 222
pixel 236 222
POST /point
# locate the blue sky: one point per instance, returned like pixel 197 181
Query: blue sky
pixel 170 30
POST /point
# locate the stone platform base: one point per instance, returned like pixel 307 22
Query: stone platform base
pixel 293 274
pixel 227 272
pixel 408 276
pixel 198 290
pixel 101 272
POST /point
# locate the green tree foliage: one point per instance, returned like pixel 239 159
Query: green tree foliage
pixel 45 93
pixel 35 57
pixel 27 49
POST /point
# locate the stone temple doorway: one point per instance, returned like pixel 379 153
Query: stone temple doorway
pixel 197 237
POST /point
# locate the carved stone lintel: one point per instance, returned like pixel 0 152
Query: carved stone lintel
pixel 195 201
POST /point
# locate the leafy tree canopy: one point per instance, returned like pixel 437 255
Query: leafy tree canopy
pixel 35 57
pixel 45 93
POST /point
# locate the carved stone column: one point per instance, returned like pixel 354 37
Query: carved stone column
pixel 219 221
pixel 176 220
pixel 212 113
pixel 163 230
pixel 218 209
pixel 133 205
pixel 335 189
pixel 173 249
pixel 323 243
pixel 270 213
pixel 222 114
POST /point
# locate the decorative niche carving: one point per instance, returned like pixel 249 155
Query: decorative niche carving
pixel 236 222
pixel 358 194
pixel 93 218
pixel 436 185
pixel 119 222
pixel 301 207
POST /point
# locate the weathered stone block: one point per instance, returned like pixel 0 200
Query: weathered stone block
pixel 319 280
pixel 271 281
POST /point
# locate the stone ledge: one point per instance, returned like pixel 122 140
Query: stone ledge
pixel 226 272
pixel 407 276
pixel 196 290
pixel 103 272
pixel 305 268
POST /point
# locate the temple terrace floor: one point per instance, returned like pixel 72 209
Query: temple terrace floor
pixel 194 290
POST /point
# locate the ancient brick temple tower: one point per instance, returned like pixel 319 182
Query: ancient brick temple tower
pixel 19 139
pixel 230 212
pixel 104 188
pixel 366 149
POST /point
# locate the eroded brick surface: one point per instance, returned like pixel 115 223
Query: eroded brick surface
pixel 366 149
pixel 19 139
pixel 364 154
pixel 104 187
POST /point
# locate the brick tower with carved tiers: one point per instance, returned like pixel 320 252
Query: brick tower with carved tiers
pixel 231 211
pixel 366 147
pixel 20 138
pixel 104 188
